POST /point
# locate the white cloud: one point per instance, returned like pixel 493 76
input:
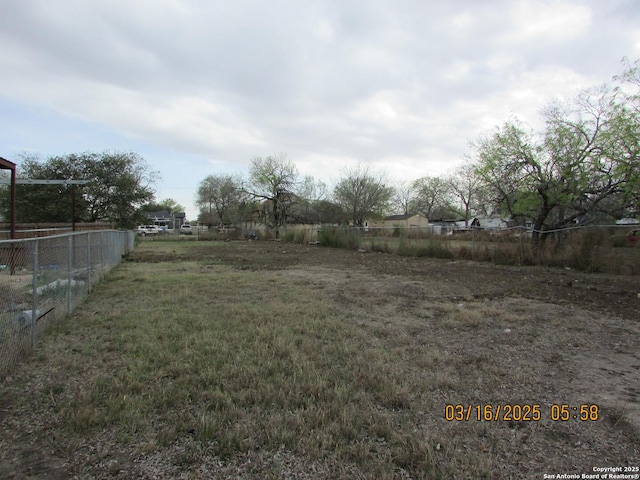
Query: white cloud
pixel 548 21
pixel 402 84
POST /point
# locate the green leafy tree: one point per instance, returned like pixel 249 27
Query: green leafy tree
pixel 626 141
pixel 171 205
pixel 119 183
pixel 168 204
pixel 585 163
pixel 362 193
pixel 272 180
pixel 219 198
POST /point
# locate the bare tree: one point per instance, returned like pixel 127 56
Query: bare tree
pixel 311 189
pixel 403 198
pixel 465 185
pixel 361 193
pixel 432 197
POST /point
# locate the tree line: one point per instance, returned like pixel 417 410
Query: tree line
pixel 582 167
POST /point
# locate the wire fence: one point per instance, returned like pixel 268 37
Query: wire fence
pixel 44 279
pixel 595 248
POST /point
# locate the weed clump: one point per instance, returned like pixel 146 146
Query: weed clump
pixel 435 248
pixel 339 238
pixel 299 236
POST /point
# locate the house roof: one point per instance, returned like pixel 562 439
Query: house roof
pixel 402 217
pixel 490 222
pixel 159 214
pixel 165 214
pixel 628 221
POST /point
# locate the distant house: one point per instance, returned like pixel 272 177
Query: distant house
pixel 628 221
pixel 489 223
pixel 448 226
pixel 166 219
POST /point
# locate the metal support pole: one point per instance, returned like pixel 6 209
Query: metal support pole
pixel 102 269
pixel 88 262
pixel 473 243
pixel 521 247
pixel 73 208
pixel 70 272
pixel 12 207
pixel 12 219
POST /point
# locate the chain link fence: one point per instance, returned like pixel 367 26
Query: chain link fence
pixel 43 280
pixel 596 248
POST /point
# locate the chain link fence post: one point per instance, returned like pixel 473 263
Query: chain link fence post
pixel 34 291
pixel 88 262
pixel 69 272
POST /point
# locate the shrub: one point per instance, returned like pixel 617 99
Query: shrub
pixel 339 238
pixel 579 250
pixel 379 246
pixel 433 247
pixel 299 235
pixel 506 254
pixel 289 236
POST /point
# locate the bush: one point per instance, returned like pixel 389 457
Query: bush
pixel 620 241
pixel 339 238
pixel 433 247
pixel 506 254
pixel 379 246
pixel 300 236
pixel 590 249
pixel 289 236
pixel 580 250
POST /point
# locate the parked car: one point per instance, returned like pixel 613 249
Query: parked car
pixel 186 229
pixel 144 230
pixel 633 236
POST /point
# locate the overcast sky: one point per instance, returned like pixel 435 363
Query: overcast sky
pixel 200 87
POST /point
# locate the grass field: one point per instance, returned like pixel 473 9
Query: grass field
pixel 261 360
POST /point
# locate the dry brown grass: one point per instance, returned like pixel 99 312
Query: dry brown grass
pixel 217 361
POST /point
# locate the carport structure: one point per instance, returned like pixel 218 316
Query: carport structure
pixel 7 165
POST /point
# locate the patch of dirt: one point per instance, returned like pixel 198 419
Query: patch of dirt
pixel 614 295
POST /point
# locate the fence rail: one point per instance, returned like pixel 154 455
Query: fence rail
pixel 33 230
pixel 44 279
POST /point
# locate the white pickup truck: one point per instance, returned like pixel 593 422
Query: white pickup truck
pixel 144 230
